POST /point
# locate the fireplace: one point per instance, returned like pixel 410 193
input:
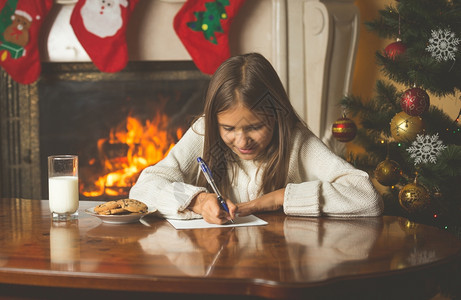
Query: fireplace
pixel 116 123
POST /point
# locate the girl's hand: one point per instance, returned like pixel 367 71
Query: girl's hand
pixel 206 204
pixel 268 202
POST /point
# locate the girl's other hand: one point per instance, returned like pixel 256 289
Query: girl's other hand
pixel 268 202
pixel 206 204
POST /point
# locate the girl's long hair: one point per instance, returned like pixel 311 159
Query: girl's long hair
pixel 250 80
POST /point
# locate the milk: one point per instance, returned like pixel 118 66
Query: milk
pixel 63 194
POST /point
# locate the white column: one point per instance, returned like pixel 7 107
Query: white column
pixel 322 42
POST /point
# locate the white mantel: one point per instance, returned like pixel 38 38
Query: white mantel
pixel 311 43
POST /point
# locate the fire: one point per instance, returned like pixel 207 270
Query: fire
pixel 130 148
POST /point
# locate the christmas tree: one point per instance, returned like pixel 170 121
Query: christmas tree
pixel 209 21
pixel 413 148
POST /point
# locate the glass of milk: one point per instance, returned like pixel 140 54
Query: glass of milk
pixel 63 186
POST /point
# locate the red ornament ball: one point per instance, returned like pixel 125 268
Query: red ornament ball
pixel 395 49
pixel 415 102
pixel 344 129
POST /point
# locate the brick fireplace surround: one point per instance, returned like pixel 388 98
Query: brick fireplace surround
pixel 311 43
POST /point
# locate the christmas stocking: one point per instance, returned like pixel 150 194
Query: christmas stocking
pixel 203 28
pixel 100 26
pixel 20 23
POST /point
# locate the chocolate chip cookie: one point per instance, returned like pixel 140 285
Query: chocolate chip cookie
pixel 132 205
pixel 122 206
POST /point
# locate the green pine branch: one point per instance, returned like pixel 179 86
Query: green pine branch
pixel 437 121
pixel 387 25
pixel 413 21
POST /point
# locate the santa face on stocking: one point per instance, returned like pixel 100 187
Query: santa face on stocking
pixel 100 27
pixel 103 17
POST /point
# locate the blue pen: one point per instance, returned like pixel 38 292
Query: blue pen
pixel 209 177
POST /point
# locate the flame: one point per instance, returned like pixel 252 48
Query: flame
pixel 142 145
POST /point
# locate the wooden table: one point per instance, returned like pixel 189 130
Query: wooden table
pixel 290 258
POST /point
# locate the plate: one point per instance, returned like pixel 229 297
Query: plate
pixel 119 219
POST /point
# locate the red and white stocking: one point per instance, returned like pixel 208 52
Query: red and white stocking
pixel 203 28
pixel 20 23
pixel 100 27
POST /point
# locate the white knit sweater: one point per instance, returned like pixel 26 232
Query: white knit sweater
pixel 319 183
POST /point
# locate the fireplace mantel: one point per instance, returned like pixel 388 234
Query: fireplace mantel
pixel 311 43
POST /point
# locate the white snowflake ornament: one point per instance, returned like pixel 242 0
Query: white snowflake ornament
pixel 443 45
pixel 426 148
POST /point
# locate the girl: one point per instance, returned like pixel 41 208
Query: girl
pixel 262 156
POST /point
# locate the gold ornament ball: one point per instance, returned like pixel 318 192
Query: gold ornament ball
pixel 415 199
pixel 387 172
pixel 404 127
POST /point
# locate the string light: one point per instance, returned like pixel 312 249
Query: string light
pixel 455 124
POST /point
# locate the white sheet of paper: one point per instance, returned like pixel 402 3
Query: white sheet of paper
pixel 250 220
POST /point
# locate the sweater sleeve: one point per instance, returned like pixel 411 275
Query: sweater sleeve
pixel 169 185
pixel 322 184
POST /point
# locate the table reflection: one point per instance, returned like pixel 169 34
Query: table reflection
pixel 416 248
pixel 312 247
pixel 65 245
pixel 320 248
